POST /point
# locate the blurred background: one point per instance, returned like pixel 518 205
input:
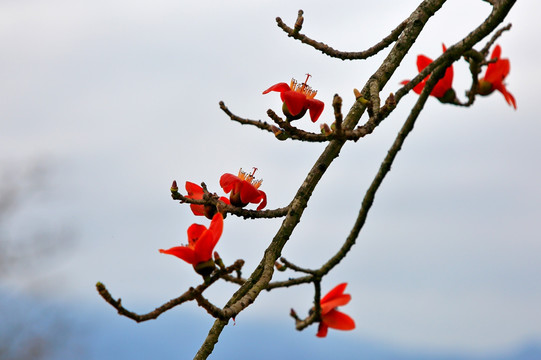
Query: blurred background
pixel 104 103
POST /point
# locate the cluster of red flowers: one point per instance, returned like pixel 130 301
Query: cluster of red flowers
pixel 201 241
pixel 497 71
pixel 243 189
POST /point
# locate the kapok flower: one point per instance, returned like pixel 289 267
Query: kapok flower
pixel 496 73
pixel 244 189
pixel 332 318
pixel 201 243
pixel 196 192
pixel 443 90
pixel 297 98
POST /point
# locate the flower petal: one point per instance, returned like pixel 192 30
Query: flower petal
pixel 249 193
pixel 295 101
pixel 422 62
pixel 194 233
pixel 338 290
pixel 198 210
pixel 225 200
pixel 497 72
pixel 338 320
pixel 217 227
pixel 497 52
pixel 280 87
pixel 194 191
pixel 329 305
pixel 510 99
pixel 228 182
pixel 322 330
pixel 204 246
pixel 316 108
pixel 444 84
pixel 263 201
pixel 182 252
pixel 507 95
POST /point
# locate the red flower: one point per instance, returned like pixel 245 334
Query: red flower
pixel 496 73
pixel 443 90
pixel 196 192
pixel 332 318
pixel 298 98
pixel 244 189
pixel 201 243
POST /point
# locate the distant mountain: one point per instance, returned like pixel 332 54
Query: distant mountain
pixel 97 332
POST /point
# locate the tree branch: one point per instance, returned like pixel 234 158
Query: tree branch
pixel 189 295
pixel 342 55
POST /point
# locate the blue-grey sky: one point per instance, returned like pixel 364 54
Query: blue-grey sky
pixel 121 97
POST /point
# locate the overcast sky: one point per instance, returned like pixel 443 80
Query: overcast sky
pixel 118 98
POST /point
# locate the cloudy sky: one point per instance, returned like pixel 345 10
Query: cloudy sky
pixel 115 99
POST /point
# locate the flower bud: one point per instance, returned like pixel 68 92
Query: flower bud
pixel 325 129
pixel 279 266
pixel 279 133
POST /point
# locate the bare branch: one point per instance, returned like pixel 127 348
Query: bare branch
pixel 343 55
pixel 189 295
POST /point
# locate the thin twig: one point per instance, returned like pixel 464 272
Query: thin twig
pixel 189 295
pixel 343 55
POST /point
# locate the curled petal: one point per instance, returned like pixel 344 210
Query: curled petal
pixel 280 87
pixel 263 200
pixel 182 252
pixel 228 182
pixel 316 108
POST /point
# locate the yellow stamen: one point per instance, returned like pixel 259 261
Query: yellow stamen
pixel 250 178
pixel 303 88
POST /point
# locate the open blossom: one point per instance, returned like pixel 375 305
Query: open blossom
pixel 244 189
pixel 297 99
pixel 496 73
pixel 330 316
pixel 201 243
pixel 196 192
pixel 443 90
